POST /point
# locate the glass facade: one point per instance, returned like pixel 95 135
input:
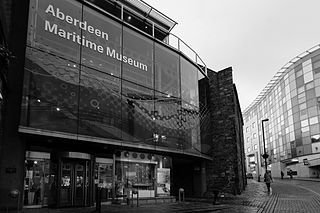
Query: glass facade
pixel 37 179
pixel 88 75
pixel 292 107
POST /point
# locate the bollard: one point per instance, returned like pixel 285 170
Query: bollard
pixel 135 191
pixel 15 193
pixel 98 199
pixel 181 195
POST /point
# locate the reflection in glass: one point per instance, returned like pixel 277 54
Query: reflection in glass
pixel 167 121
pixel 99 104
pixel 137 112
pixel 50 92
pixel 189 83
pixel 167 75
pixel 42 33
pixel 105 61
pixel 137 58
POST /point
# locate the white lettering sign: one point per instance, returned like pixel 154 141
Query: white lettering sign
pixel 82 40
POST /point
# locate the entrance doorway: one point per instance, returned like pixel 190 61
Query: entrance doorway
pixel 74 182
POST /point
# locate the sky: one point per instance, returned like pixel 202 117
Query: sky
pixel 254 37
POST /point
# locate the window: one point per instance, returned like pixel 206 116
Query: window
pixel 309 85
pixel 308 77
pixel 249 149
pixel 313 120
pixel 304 123
pixel 248 129
pixel 315 138
pixel 300 89
pixel 305 129
pixel 254 136
pixel 248 139
pixel 253 125
pixel 255 147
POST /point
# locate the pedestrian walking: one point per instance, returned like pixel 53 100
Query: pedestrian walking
pixel 282 174
pixel 268 179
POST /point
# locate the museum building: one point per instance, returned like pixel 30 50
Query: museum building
pixel 102 96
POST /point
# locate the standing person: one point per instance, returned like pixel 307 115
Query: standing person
pixel 268 179
pixel 282 174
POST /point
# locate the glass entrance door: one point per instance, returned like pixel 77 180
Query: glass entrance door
pixel 74 183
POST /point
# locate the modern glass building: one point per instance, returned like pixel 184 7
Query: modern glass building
pixel 290 102
pixel 110 99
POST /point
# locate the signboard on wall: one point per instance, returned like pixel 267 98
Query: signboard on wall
pixel 163 182
pixel 67 28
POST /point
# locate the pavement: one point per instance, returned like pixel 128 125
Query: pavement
pixel 254 198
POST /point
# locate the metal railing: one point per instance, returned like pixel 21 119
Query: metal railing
pixel 171 39
pixel 177 43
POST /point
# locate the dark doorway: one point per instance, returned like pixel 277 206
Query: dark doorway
pixel 74 182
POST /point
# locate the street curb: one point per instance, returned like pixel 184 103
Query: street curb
pixel 270 204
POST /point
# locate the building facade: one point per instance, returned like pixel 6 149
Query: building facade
pixel 102 96
pixel 290 102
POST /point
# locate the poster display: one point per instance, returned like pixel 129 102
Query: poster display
pixel 163 182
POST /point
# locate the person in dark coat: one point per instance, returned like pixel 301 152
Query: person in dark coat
pixel 268 179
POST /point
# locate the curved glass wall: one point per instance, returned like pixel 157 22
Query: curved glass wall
pixel 292 107
pixel 87 75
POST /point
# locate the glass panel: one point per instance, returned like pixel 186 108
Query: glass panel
pixel 105 179
pixel 189 83
pixel 190 127
pixel 310 94
pixel 138 113
pixel 137 59
pixel 316 65
pixel 36 182
pixel 53 189
pixel 167 75
pixel 313 120
pixel 55 27
pixel 66 185
pixel 307 68
pixel 300 82
pixel 204 113
pixel 142 172
pixel 50 92
pixel 108 6
pixel 167 125
pixel 308 77
pixel 99 104
pixel 137 21
pixel 79 184
pixel 103 43
pixel 309 85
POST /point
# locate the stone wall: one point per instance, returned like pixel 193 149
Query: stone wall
pixel 226 172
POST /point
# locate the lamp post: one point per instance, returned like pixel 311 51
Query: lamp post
pixel 265 155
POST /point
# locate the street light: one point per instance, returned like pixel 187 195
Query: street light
pixel 265 155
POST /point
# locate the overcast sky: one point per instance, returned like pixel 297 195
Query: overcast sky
pixel 255 37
